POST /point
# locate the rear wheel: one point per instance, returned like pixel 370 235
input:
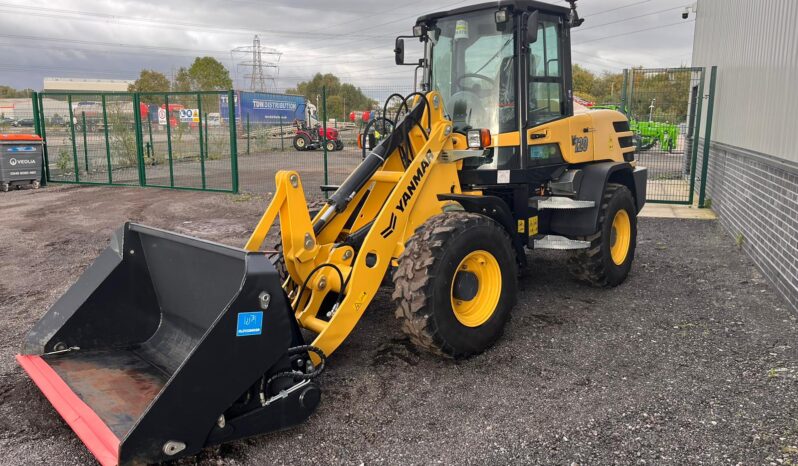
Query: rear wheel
pixel 339 145
pixel 301 142
pixel 456 284
pixel 607 261
pixel 5 187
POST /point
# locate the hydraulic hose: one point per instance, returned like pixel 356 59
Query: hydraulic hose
pixel 341 198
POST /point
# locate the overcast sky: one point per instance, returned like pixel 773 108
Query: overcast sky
pixel 115 39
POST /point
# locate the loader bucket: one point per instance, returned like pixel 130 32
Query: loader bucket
pixel 149 355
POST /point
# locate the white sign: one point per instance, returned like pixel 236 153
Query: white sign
pixel 161 116
pixel 189 115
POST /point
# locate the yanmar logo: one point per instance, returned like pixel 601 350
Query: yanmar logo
pixel 408 194
pixel 14 162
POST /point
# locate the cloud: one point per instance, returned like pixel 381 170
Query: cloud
pixel 350 38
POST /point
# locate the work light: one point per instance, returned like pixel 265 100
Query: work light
pixel 501 16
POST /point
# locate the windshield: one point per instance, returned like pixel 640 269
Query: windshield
pixel 472 68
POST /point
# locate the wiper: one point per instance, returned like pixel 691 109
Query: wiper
pixel 494 55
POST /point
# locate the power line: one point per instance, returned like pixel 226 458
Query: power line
pixel 629 33
pixel 579 30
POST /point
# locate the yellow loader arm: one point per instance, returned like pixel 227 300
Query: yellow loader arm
pixel 337 262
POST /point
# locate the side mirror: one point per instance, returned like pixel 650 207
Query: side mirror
pixel 399 51
pixel 532 28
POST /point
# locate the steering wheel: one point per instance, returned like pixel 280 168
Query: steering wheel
pixel 474 75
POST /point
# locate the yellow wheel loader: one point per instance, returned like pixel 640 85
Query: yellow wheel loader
pixel 169 344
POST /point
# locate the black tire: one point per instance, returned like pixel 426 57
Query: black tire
pixel 330 145
pixel 424 283
pixel 301 142
pixel 5 187
pixel 596 265
pixel 339 145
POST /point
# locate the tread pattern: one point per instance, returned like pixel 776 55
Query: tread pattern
pixel 413 282
pixel 587 265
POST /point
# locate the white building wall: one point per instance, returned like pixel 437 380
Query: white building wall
pixel 755 45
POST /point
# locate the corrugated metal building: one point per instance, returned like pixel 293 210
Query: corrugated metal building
pixel 753 165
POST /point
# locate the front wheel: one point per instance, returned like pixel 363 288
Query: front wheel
pixel 456 284
pixel 301 142
pixel 330 146
pixel 607 261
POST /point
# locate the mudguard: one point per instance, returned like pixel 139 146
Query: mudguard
pixel 584 222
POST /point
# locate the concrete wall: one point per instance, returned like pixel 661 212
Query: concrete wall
pixel 752 179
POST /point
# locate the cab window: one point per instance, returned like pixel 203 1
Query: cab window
pixel 545 75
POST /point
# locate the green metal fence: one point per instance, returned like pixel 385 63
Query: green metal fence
pixel 664 106
pixel 172 140
pixel 181 140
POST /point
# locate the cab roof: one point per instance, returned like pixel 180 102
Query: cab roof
pixel 516 5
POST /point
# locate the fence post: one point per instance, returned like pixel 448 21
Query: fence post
pixel 201 141
pixel 169 141
pixel 85 142
pixel 139 138
pixel 43 135
pixel 249 133
pixel 708 136
pixel 282 137
pixel 107 143
pixel 624 95
pixel 324 126
pixel 206 135
pixel 697 131
pixel 35 109
pixel 72 133
pixel 231 110
pixel 149 130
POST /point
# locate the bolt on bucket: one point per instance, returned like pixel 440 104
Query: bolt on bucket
pixel 168 344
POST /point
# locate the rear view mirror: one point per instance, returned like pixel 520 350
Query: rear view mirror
pixel 532 28
pixel 399 51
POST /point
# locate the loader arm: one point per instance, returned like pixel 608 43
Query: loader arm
pixel 337 262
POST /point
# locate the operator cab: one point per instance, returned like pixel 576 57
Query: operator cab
pixel 485 59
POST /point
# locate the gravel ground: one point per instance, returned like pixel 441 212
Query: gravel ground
pixel 692 360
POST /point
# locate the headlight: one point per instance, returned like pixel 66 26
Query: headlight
pixel 479 138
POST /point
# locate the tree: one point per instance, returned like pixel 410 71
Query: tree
pixel 182 81
pixel 341 97
pixel 583 80
pixel 208 74
pixel 10 92
pixel 150 81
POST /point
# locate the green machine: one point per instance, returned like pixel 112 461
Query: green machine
pixel 649 133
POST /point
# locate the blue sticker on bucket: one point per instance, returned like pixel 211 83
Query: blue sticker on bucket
pixel 249 324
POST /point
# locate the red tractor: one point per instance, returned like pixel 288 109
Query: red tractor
pixel 312 139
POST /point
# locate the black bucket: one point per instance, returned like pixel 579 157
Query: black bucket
pixel 148 351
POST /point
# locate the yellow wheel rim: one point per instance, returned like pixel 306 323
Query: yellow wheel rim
pixel 621 237
pixel 474 307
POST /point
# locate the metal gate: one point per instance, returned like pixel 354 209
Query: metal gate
pixel 665 106
pixel 171 140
